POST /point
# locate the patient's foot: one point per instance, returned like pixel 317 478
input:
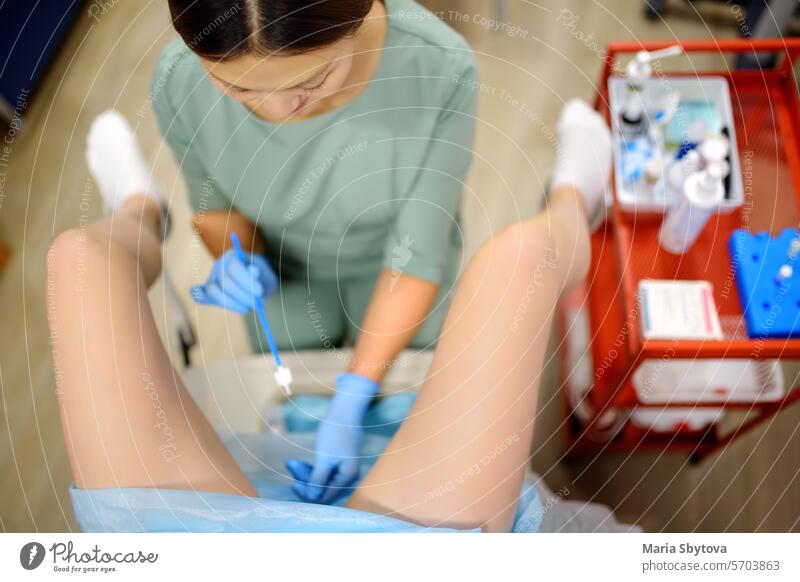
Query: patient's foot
pixel 584 153
pixel 116 163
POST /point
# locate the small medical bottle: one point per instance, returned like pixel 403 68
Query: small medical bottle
pixel 702 194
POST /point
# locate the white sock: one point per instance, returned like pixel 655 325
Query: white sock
pixel 116 162
pixel 584 153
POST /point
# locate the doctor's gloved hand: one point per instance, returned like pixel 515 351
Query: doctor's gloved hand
pixel 338 446
pixel 235 285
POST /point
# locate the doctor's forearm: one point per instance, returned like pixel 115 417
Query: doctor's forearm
pixel 215 228
pixel 398 308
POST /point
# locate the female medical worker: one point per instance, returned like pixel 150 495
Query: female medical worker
pixel 333 137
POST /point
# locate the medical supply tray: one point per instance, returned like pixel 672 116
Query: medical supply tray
pixel 712 88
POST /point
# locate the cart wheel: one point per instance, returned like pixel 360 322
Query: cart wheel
pixel 654 9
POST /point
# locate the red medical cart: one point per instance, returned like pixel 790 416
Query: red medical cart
pixel 625 250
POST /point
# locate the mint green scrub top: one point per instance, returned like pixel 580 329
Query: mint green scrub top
pixel 375 183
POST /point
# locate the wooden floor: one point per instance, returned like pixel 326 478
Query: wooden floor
pixel 527 73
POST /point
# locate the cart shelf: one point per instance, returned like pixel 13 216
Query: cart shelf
pixel 625 250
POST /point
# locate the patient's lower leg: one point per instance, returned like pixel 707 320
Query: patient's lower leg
pixel 127 419
pixel 459 458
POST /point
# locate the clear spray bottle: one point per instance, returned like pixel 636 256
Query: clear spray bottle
pixel 703 192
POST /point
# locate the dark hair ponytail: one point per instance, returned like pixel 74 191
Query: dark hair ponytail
pixel 225 29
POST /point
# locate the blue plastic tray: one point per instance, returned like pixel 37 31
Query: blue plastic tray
pixel 771 306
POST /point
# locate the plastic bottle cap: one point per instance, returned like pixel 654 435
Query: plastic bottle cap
pixel 715 149
pixel 639 68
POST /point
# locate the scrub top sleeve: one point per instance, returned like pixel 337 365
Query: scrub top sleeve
pixel 204 194
pixel 423 241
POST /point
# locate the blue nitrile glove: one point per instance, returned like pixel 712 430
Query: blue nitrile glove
pixel 234 285
pixel 338 447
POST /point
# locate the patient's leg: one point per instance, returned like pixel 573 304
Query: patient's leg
pixel 128 421
pixel 459 458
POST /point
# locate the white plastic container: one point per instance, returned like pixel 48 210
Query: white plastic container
pixel 641 197
pixel 673 420
pixel 708 380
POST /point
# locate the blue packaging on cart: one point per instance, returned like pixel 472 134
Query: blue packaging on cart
pixel 770 301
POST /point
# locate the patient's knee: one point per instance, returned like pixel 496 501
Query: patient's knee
pixel 78 250
pixel 66 250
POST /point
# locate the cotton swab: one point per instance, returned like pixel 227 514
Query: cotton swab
pixel 283 375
